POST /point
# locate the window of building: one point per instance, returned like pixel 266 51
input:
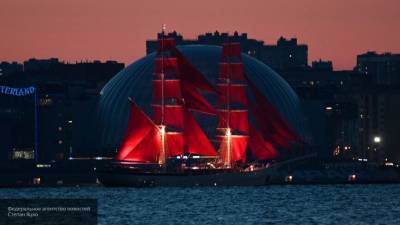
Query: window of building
pixel 22 154
pixel 45 101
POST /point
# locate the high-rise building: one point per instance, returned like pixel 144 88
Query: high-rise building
pixel 321 65
pixel 66 98
pixel 7 68
pixel 286 54
pixel 382 69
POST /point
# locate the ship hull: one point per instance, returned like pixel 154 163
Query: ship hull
pixel 182 179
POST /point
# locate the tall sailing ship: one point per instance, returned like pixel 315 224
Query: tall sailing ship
pixel 171 149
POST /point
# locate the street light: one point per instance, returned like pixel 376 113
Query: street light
pixel 377 139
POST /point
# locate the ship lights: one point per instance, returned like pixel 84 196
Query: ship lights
pixel 389 164
pixel 43 165
pixel 228 153
pixel 36 180
pixel 352 177
pixel 162 157
pixel 289 179
pixel 228 132
pixel 251 167
pixel 162 130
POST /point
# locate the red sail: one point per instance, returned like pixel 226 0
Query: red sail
pixel 194 101
pixel 238 147
pixel 165 44
pixel 148 149
pixel 238 120
pixel 231 50
pixel 175 145
pixel 190 73
pixel 173 115
pixel 237 94
pixel 280 126
pixel 261 149
pixel 235 70
pixel 140 129
pixel 168 65
pixel 195 140
pixel 267 129
pixel 172 89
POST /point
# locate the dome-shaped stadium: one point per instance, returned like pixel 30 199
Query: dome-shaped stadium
pixel 136 81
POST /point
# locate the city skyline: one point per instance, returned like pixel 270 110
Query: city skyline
pixel 76 30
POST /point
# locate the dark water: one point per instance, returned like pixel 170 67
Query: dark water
pixel 336 204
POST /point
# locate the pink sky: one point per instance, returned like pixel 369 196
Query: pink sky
pixel 75 30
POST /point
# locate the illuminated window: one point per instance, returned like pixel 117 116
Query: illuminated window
pixel 45 101
pixel 22 154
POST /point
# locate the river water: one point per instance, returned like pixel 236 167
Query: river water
pixel 287 204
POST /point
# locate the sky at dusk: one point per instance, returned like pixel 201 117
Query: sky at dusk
pixel 75 30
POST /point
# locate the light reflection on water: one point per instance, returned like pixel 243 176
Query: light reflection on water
pixel 313 204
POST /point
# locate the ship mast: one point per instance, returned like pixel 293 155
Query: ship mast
pixel 232 104
pixel 228 161
pixel 163 152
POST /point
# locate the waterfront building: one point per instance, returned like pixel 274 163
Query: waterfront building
pixel 65 99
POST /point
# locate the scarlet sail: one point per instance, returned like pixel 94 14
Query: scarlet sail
pixel 175 143
pixel 196 102
pixel 189 73
pixel 238 120
pixel 236 144
pixel 261 149
pixel 171 116
pixel 232 70
pixel 172 90
pixel 237 94
pixel 147 150
pixel 274 123
pixel 265 125
pixel 233 119
pixel 167 66
pixel 231 50
pixel 195 140
pixel 142 139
